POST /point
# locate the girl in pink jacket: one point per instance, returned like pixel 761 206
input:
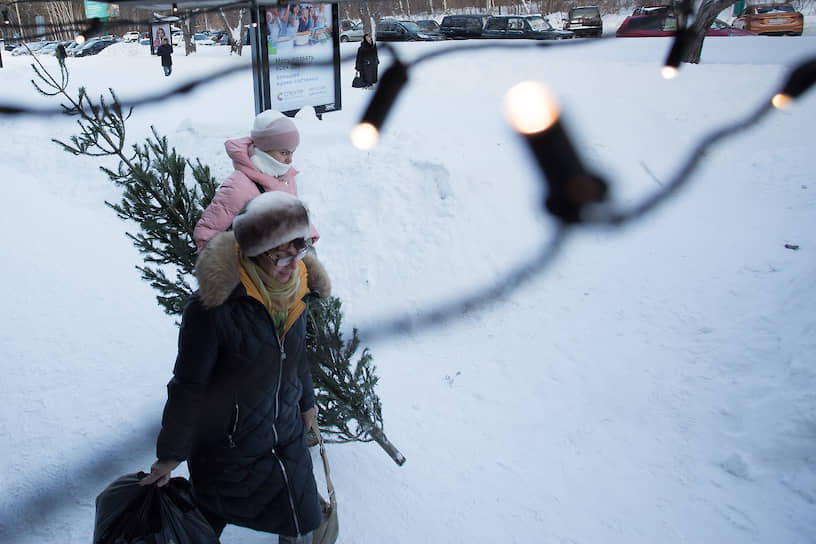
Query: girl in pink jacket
pixel 262 163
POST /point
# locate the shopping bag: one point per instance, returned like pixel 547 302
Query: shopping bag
pixel 128 513
pixel 329 527
pixel 357 82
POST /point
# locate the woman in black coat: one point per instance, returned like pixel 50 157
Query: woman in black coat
pixel 241 396
pixel 367 61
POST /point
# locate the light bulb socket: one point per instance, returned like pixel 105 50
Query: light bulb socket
pixel 175 8
pixel 682 40
pixel 385 95
pixel 801 79
pixel 571 186
pixel 6 17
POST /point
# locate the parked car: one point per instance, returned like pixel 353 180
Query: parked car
pixel 199 38
pixel 346 24
pixel 94 46
pixel 175 38
pixel 72 45
pixel 32 47
pixel 771 20
pixel 461 27
pixel 584 21
pixel 662 21
pixel 529 27
pixel 404 31
pixel 131 36
pixel 48 49
pixel 428 25
pixel 352 34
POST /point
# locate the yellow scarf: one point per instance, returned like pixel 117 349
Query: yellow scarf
pixel 278 298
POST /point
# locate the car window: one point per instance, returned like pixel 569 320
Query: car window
pixel 584 12
pixel 387 27
pixel 515 24
pixel 539 23
pixel 473 23
pixel 775 9
pixel 496 24
pixel 670 24
pixel 411 27
pixel 646 23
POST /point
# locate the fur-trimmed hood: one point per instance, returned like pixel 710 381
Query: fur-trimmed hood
pixel 217 271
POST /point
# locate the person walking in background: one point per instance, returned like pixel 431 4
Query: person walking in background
pixel 60 53
pixel 262 162
pixel 368 62
pixel 241 398
pixel 165 51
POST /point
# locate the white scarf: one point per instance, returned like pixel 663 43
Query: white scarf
pixel 267 164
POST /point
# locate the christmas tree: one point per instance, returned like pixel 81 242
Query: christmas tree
pixel 160 198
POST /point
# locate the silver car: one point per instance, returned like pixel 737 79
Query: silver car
pixel 354 34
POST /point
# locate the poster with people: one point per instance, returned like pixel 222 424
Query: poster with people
pixel 301 53
pixel 159 33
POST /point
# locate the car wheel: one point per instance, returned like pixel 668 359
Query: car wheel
pixel 343 38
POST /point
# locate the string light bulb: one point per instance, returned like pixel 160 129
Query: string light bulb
pixel 93 29
pixel 781 101
pixel 366 134
pixel 669 72
pixel 175 8
pixel 532 110
pixel 678 50
pixel 800 80
pixel 6 17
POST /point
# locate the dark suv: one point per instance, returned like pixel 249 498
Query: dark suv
pixel 584 22
pixel 461 27
pixel 404 31
pixel 527 27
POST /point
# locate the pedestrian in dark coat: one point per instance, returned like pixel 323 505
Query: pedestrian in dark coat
pixel 367 62
pixel 165 51
pixel 60 53
pixel 241 397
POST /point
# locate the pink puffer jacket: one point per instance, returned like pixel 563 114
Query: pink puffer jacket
pixel 238 189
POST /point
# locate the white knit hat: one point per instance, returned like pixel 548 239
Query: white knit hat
pixel 273 131
pixel 269 220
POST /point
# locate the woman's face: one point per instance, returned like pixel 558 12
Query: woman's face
pixel 282 155
pixel 280 262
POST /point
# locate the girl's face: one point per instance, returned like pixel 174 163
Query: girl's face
pixel 282 155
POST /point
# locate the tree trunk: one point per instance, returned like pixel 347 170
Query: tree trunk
pixel 236 35
pixel 706 14
pixel 187 35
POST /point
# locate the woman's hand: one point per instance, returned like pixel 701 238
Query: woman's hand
pixel 309 417
pixel 160 473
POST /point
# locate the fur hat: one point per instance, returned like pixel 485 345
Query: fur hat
pixel 273 131
pixel 269 220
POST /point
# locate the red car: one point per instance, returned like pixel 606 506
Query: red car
pixel 661 21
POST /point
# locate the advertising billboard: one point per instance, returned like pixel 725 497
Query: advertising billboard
pixel 304 56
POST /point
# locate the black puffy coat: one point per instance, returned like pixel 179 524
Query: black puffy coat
pixel 165 51
pixel 367 62
pixel 235 401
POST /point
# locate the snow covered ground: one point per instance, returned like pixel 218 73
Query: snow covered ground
pixel 654 384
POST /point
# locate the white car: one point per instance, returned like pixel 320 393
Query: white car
pixel 176 38
pixel 131 36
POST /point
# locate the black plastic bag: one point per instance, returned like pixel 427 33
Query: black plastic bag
pixel 128 513
pixel 357 82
